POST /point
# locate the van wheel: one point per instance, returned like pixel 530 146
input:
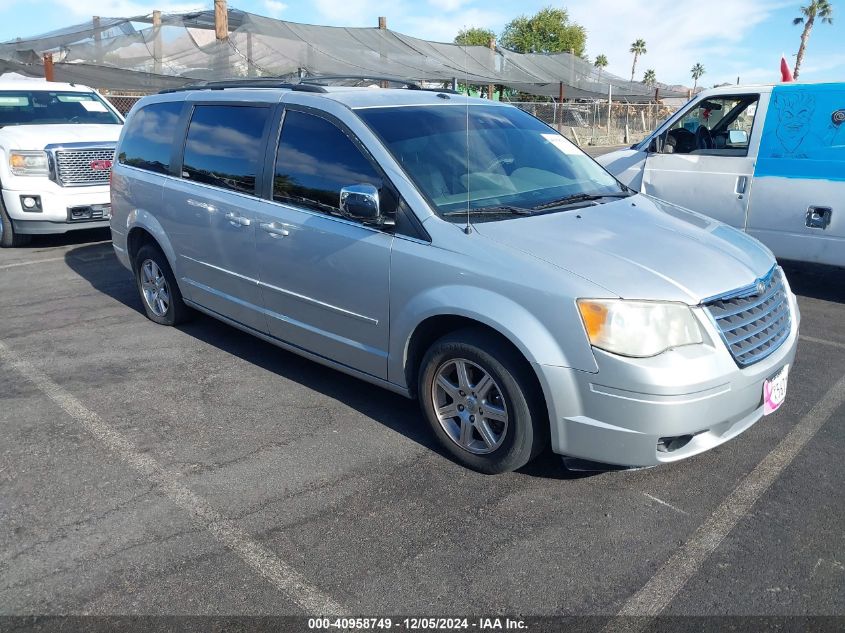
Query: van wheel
pixel 481 403
pixel 8 237
pixel 157 286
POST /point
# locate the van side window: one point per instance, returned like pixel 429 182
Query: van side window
pixel 716 126
pixel 149 135
pixel 223 147
pixel 315 160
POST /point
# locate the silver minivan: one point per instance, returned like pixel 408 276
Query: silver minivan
pixel 458 251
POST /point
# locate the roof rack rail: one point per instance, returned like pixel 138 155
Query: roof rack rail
pixel 408 83
pixel 251 82
pixel 306 84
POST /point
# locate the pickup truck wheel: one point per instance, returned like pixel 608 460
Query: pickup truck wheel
pixel 157 286
pixel 481 403
pixel 8 237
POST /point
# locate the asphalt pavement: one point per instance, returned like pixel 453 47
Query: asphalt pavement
pixel 198 470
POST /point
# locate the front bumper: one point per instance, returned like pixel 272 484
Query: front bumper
pixel 620 414
pixel 61 209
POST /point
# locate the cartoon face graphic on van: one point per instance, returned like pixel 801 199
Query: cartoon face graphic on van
pixel 794 113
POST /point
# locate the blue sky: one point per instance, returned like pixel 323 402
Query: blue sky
pixel 730 38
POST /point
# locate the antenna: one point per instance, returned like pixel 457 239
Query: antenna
pixel 468 227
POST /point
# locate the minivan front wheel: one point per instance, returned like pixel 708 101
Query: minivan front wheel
pixel 481 403
pixel 157 286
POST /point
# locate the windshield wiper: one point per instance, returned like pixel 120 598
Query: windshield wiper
pixel 492 210
pixel 579 197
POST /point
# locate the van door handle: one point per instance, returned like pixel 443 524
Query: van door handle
pixel 274 229
pixel 202 205
pixel 741 184
pixel 237 220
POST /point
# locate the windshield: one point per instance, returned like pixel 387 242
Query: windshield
pixel 42 107
pixel 495 160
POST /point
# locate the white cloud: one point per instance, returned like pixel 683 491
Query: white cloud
pixel 274 8
pixel 357 12
pixel 448 5
pixel 678 33
pixel 445 30
pixel 125 8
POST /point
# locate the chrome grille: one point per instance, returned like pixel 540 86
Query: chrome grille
pixel 754 323
pixel 76 167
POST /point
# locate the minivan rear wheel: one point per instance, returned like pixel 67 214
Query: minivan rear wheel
pixel 481 403
pixel 157 286
pixel 9 238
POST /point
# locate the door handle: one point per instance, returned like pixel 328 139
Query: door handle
pixel 274 229
pixel 237 220
pixel 818 217
pixel 201 205
pixel 741 184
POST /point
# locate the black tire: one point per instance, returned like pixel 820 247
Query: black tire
pixel 9 238
pixel 176 311
pixel 526 433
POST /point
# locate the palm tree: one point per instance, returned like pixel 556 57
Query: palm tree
pixel 601 64
pixel 637 48
pixel 697 71
pixel 816 9
pixel 650 78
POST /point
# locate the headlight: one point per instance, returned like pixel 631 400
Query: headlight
pixel 638 328
pixel 26 163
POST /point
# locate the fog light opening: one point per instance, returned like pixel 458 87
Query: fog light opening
pixel 31 204
pixel 672 443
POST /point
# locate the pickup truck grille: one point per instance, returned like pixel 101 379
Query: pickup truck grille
pixel 756 322
pixel 81 167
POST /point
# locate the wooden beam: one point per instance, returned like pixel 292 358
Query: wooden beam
pixel 250 65
pixel 382 26
pixel 98 39
pixel 157 42
pixel 48 67
pixel 221 20
pixel 491 43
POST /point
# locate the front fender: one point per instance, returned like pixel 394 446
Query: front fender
pixel 505 316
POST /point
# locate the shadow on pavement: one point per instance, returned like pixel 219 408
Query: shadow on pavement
pixel 97 264
pixel 816 281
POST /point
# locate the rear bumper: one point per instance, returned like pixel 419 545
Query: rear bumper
pixel 696 393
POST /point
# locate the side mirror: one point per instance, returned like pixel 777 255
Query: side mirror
pixel 738 137
pixel 360 202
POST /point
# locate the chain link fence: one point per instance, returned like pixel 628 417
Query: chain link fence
pixel 592 123
pixel 584 123
pixel 123 102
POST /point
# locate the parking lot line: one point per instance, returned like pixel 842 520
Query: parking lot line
pixel 34 261
pixel 262 560
pixel 659 591
pixel 821 341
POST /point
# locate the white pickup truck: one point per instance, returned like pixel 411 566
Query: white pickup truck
pixel 57 145
pixel 769 160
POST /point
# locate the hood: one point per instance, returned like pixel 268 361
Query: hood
pixel 640 248
pixel 37 136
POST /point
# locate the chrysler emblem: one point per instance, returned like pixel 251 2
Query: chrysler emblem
pixel 761 287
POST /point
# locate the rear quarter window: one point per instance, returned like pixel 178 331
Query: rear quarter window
pixel 148 139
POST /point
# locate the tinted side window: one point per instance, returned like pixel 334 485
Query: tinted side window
pixel 315 160
pixel 149 136
pixel 223 147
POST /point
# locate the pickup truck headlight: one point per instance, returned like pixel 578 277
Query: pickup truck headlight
pixel 28 163
pixel 638 328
